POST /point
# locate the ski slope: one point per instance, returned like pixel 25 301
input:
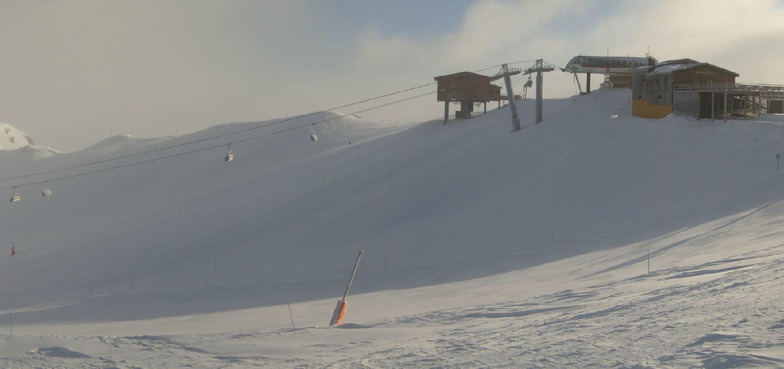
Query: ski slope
pixel 483 248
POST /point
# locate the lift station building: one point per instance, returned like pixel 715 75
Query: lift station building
pixel 468 89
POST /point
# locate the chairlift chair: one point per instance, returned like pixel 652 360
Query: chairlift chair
pixel 16 197
pixel 229 154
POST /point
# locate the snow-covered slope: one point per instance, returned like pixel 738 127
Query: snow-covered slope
pixel 17 147
pixel 12 138
pixel 476 240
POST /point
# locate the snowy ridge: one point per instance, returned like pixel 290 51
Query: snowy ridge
pixel 483 248
pixel 17 144
pixel 121 143
pixel 12 138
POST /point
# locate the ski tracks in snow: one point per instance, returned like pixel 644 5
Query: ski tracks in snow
pixel 713 315
pixel 720 314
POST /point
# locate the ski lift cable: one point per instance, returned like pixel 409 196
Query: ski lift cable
pixel 553 65
pixel 169 147
pixel 205 148
pixel 512 63
pixel 230 133
pixel 520 62
pixel 312 124
pixel 151 160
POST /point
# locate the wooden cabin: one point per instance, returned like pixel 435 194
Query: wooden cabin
pixel 683 86
pixel 468 89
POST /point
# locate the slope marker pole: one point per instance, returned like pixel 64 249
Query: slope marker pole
pixel 291 316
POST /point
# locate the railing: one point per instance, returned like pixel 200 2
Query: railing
pixel 730 86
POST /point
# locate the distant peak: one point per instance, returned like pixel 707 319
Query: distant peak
pixel 12 138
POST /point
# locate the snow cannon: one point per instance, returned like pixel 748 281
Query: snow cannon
pixel 342 307
pixel 339 314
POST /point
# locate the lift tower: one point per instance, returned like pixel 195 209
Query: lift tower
pixel 539 68
pixel 507 73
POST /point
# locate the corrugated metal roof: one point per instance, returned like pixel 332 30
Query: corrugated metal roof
pixel 586 63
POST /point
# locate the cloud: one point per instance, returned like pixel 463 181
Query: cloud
pixel 83 69
pixel 494 32
pixel 74 72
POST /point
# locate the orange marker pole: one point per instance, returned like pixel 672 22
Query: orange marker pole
pixel 342 306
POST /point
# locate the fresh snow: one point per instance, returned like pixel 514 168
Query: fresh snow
pixel 21 146
pixel 12 138
pixel 483 247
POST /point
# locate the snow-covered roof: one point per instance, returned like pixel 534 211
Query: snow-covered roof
pixel 674 66
pixel 462 75
pixel 669 69
pixel 12 138
pixel 603 64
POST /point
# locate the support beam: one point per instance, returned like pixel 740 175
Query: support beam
pixel 759 105
pixel 510 96
pixel 588 83
pixel 446 111
pixel 579 87
pixel 539 81
pixel 467 107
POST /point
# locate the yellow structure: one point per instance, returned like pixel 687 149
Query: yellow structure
pixel 642 109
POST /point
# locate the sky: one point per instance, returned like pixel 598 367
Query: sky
pixel 75 72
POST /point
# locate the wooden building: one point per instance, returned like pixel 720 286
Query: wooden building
pixel 684 86
pixel 468 89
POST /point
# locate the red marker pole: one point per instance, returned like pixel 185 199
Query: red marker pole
pixel 342 306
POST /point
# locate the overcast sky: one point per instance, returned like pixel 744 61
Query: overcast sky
pixel 74 72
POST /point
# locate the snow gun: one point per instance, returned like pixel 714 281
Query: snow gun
pixel 342 307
